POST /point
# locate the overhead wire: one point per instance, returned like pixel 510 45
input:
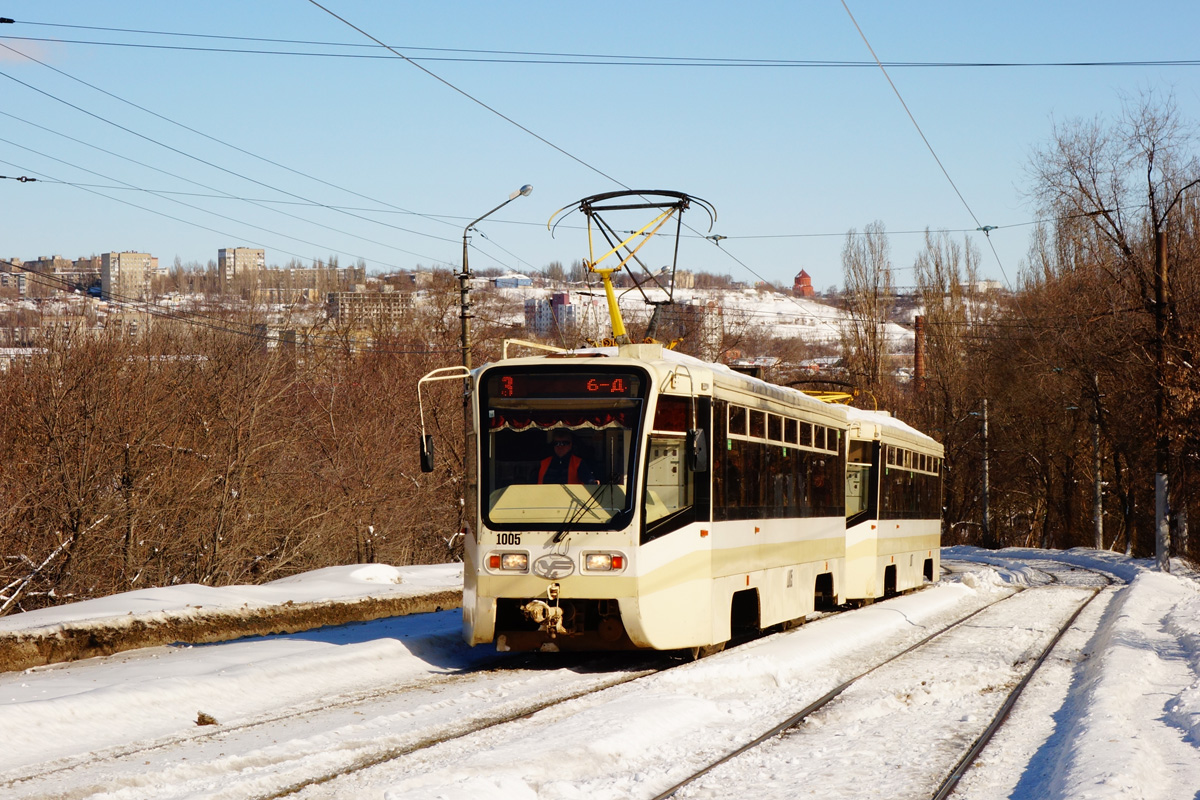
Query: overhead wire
pixel 220 141
pixel 523 128
pixel 166 195
pixel 471 97
pixel 189 205
pixel 476 55
pixel 209 163
pixel 508 119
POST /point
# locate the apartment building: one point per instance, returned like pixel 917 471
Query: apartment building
pixel 126 276
pixel 377 310
pixel 235 261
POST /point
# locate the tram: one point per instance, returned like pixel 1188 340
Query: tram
pixel 893 506
pixel 631 497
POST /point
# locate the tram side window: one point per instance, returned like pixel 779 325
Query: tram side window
pixel 905 494
pixel 761 480
pixel 758 423
pixel 737 420
pixel 673 414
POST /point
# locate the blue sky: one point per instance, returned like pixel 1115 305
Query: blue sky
pixel 791 157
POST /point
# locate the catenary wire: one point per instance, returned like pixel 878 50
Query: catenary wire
pixel 505 117
pixel 195 207
pixel 290 194
pixel 572 59
pixel 223 195
pixel 739 261
pixel 472 98
pixel 177 150
pixel 225 143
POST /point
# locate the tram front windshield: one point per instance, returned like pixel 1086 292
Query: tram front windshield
pixel 558 447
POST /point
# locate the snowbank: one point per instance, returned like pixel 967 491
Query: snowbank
pixel 202 614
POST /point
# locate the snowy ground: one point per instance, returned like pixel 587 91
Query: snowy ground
pixel 784 315
pixel 1114 713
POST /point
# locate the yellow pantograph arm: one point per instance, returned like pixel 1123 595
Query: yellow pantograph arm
pixel 661 220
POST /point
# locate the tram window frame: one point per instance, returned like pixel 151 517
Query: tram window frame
pixel 758 424
pixel 737 420
pixel 909 491
pixel 806 434
pixel 860 452
pixel 774 427
pixel 791 433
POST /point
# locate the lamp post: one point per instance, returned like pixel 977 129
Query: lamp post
pixel 466 503
pixel 464 278
pixel 987 516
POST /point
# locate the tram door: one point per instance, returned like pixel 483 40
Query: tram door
pixel 858 478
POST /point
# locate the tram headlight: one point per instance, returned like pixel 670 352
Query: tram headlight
pixel 509 562
pixel 603 562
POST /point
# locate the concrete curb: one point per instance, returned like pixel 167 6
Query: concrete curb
pixel 21 650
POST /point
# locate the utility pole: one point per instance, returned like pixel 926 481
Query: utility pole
pixel 1162 452
pixel 919 353
pixel 987 516
pixel 1097 485
pixel 467 500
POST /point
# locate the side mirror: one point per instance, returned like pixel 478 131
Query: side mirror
pixel 697 450
pixel 426 442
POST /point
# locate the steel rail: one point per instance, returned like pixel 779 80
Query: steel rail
pixel 825 699
pixel 960 769
pixel 977 746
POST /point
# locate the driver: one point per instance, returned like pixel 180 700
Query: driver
pixel 563 466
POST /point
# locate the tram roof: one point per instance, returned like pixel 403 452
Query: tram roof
pixel 889 427
pixel 658 357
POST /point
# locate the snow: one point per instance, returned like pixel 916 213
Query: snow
pixel 1115 712
pixel 783 315
pixel 322 585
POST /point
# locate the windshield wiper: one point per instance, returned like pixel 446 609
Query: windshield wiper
pixel 573 518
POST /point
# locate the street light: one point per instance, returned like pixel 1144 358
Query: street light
pixel 464 278
pixel 987 520
pixel 467 501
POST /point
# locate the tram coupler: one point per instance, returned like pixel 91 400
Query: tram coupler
pixel 548 618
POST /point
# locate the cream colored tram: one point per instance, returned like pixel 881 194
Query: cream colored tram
pixel 893 506
pixel 712 502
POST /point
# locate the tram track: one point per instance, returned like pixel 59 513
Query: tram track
pixel 947 785
pixel 115 768
pixel 473 726
pixel 496 725
pixel 408 742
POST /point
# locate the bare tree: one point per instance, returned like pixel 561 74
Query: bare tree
pixel 868 298
pixel 1129 181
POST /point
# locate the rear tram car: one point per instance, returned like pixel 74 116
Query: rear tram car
pixel 696 503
